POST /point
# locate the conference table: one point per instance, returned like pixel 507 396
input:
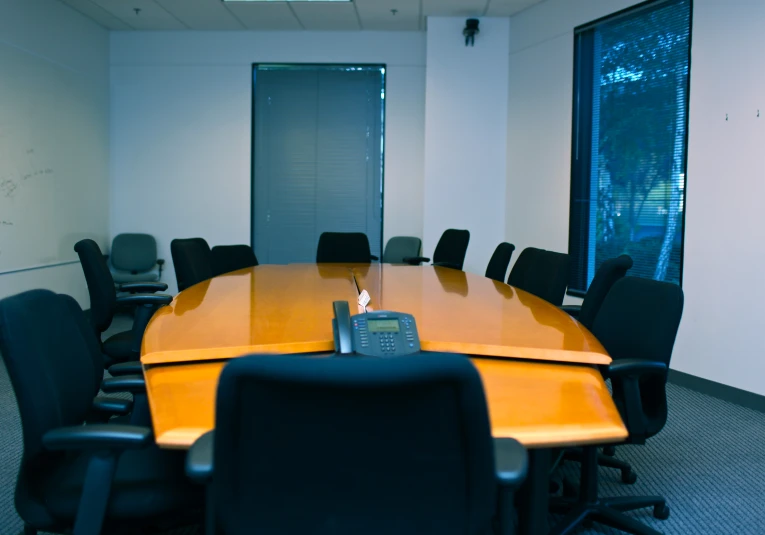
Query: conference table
pixel 536 362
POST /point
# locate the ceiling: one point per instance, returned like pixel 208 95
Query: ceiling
pixel 401 15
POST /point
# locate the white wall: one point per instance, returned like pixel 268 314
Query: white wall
pixel 51 30
pixel 721 333
pixel 466 135
pixel 181 129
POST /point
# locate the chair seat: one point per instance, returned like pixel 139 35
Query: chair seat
pixel 118 347
pixel 148 484
pixel 126 276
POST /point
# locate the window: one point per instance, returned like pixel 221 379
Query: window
pixel 631 75
pixel 318 157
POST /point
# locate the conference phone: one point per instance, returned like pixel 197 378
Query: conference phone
pixel 378 334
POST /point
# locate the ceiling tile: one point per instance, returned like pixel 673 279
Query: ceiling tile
pixel 151 16
pixel 376 14
pixel 508 8
pixel 202 14
pixel 264 15
pixel 453 8
pixel 98 14
pixel 326 16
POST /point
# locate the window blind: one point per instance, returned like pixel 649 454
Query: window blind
pixel 630 141
pixel 317 157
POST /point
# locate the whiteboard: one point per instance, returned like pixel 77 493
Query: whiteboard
pixel 53 160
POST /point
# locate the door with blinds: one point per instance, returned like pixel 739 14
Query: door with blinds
pixel 317 157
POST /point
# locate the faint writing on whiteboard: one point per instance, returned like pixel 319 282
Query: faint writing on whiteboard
pixel 8 187
pixel 40 172
pixel 6 223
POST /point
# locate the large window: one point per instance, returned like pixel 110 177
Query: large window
pixel 629 141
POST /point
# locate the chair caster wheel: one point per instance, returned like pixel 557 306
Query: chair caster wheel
pixel 661 512
pixel 609 450
pixel 629 477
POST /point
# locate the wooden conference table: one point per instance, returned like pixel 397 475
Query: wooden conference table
pixel 534 359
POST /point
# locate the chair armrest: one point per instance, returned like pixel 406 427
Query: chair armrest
pixel 571 310
pixel 157 300
pixel 415 260
pixel 447 265
pixel 107 405
pixel 133 367
pixel 635 368
pixel 97 436
pixel 510 461
pixel 199 461
pixel 146 287
pixel 134 384
pixel 373 257
pixel 161 261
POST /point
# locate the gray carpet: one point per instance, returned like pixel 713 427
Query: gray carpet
pixel 709 462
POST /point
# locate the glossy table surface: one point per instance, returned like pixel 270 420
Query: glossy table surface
pixel 288 309
pixel 539 404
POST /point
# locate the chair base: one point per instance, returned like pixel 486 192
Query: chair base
pixel 604 459
pixel 609 511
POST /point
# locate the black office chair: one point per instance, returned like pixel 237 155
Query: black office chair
pixel 344 248
pixel 608 273
pixel 637 324
pixel 400 247
pixel 228 258
pixel 355 445
pixel 497 268
pixel 542 273
pixel 192 260
pixel 124 346
pixel 450 250
pixel 74 476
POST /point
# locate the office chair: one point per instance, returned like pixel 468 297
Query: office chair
pixel 541 273
pixel 355 445
pixel 73 476
pixel 133 258
pixel 450 250
pixel 126 345
pixel 497 268
pixel 608 273
pixel 344 248
pixel 228 258
pixel 637 324
pixel 192 261
pixel 400 247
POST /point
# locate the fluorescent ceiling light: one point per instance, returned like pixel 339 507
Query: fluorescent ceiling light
pixel 318 1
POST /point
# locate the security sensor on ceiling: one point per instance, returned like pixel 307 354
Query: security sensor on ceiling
pixel 470 31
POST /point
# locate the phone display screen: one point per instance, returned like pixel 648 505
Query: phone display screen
pixel 383 326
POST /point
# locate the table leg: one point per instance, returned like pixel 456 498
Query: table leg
pixel 533 499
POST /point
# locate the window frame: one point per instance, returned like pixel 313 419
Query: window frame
pixel 582 137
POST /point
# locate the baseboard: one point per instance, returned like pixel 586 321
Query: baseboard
pixel 718 390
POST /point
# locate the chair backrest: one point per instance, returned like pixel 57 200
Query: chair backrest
pixel 103 297
pixel 50 364
pixel 135 253
pixel 639 319
pixel 497 268
pixel 541 273
pixel 452 247
pixel 353 445
pixel 228 258
pixel 343 247
pixel 192 260
pixel 608 273
pixel 400 247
